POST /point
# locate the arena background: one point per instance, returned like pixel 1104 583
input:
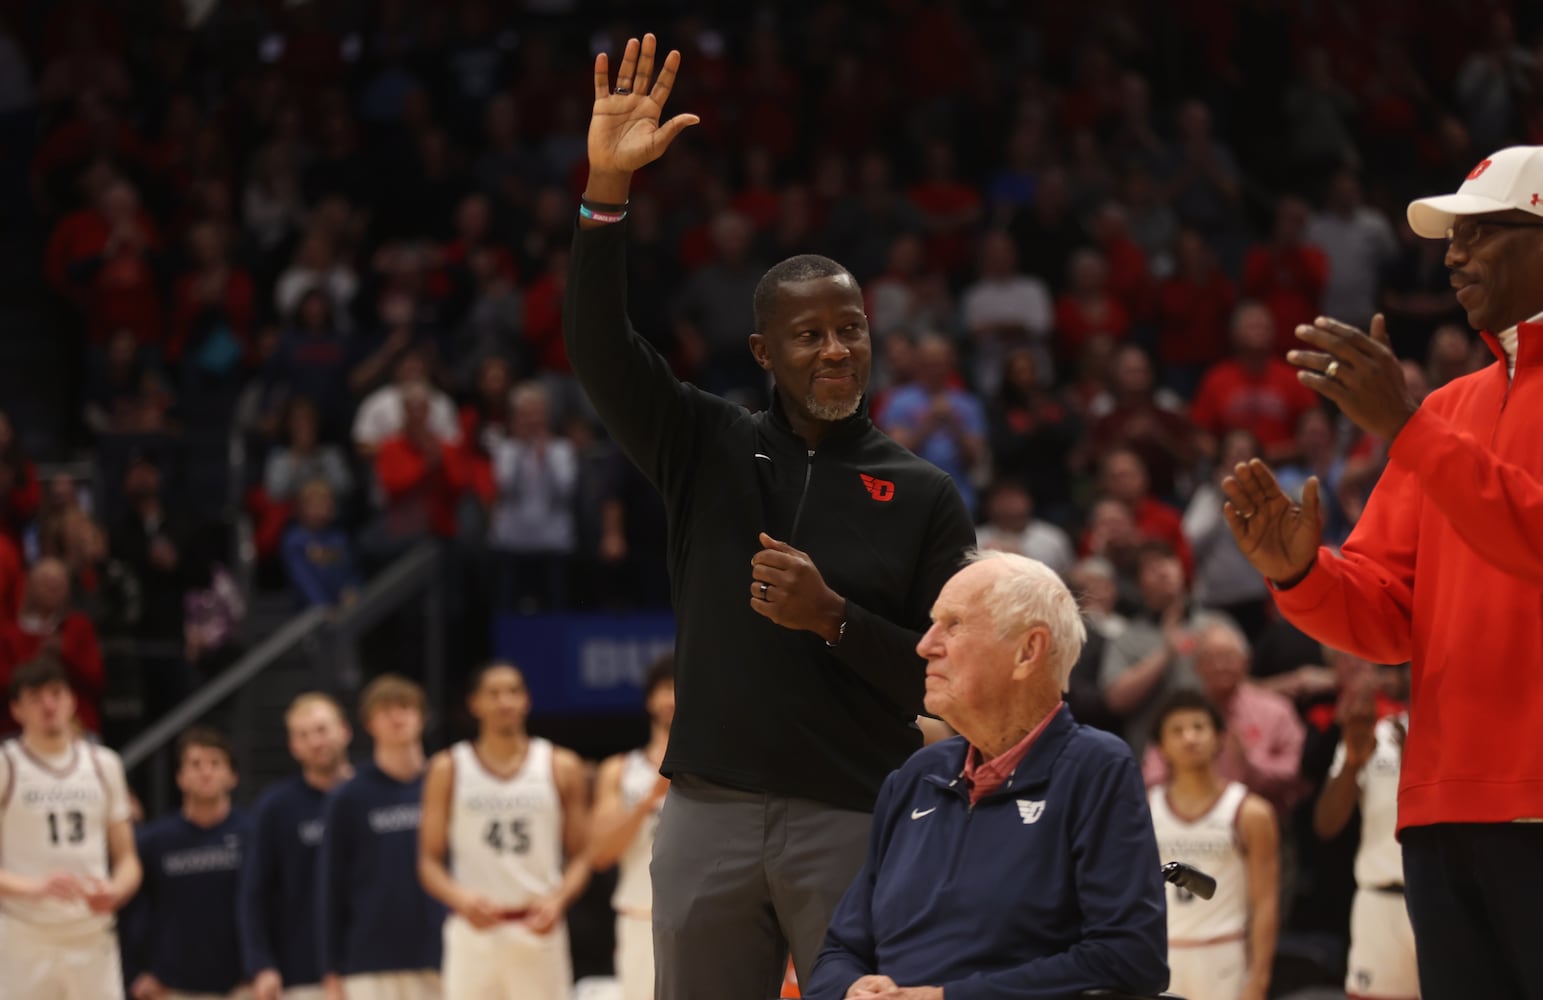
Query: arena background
pixel 217 213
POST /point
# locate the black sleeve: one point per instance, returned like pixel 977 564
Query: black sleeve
pixel 883 652
pixel 651 415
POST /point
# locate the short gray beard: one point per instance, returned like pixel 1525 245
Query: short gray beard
pixel 831 411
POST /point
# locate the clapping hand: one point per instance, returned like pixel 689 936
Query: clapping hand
pixel 1279 536
pixel 1358 372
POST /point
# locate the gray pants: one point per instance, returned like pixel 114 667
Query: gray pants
pixel 739 877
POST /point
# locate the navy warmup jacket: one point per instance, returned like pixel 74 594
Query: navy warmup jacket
pixel 277 911
pixel 373 916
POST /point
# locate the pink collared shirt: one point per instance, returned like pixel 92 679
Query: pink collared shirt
pixel 984 778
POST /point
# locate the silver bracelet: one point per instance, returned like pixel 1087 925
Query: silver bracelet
pixel 841 633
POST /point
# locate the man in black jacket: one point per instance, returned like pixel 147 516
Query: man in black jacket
pixel 806 549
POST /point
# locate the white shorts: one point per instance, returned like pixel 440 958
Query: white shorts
pixel 635 956
pixel 393 986
pixel 42 965
pixel 506 963
pixel 239 993
pixel 1382 963
pixel 304 993
pixel 1208 971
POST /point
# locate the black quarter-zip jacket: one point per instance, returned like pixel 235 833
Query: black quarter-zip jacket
pixel 759 706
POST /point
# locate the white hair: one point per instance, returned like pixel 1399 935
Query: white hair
pixel 1210 622
pixel 1029 593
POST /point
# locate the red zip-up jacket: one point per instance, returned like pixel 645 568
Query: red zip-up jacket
pixel 1445 569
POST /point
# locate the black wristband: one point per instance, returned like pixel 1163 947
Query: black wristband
pixel 603 206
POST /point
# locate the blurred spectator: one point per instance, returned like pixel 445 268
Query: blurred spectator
pixel 1150 220
pixel 1005 310
pixel 1093 582
pixel 103 588
pixel 1201 175
pixel 318 556
pixel 304 457
pixel 1130 279
pixel 757 198
pixel 1155 654
pixel 506 169
pixel 1193 308
pixel 1451 354
pixel 1263 743
pixel 1493 82
pixel 47 625
pixel 317 265
pixel 1318 113
pixel 382 413
pixel 213 305
pixel 533 531
pixel 950 209
pixel 1111 534
pixel 1254 390
pixel 1012 527
pixel 422 474
pixel 1224 580
pixel 865 225
pixel 20 493
pixel 271 205
pixel 944 424
pixel 494 323
pixel 1358 242
pixel 910 296
pixel 713 312
pixel 1286 274
pixel 1123 476
pixel 1087 309
pixel 1417 294
pixel 1318 454
pixel 1146 420
pixel 104 260
pixel 161 547
pixel 13 578
pixel 1047 232
pixel 311 361
pixel 1011 188
pixel 124 393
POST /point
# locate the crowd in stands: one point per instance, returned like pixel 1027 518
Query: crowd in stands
pixel 336 232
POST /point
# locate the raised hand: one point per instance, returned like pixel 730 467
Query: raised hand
pixel 1279 536
pixel 1358 371
pixel 624 129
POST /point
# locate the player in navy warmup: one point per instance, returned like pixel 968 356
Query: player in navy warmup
pixel 180 939
pixel 380 932
pixel 277 904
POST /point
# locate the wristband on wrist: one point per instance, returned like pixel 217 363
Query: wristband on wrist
pixel 601 214
pixel 841 633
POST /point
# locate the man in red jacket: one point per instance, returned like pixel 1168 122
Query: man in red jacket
pixel 47 626
pixel 1445 568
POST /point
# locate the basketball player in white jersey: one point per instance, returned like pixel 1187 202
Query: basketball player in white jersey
pixel 500 815
pixel 67 858
pixel 628 794
pixel 1365 771
pixel 1221 948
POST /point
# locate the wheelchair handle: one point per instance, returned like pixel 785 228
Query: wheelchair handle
pixel 1191 878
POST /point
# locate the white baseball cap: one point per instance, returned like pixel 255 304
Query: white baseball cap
pixel 1511 178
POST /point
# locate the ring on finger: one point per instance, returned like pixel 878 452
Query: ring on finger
pixel 1333 369
pixel 764 588
pixel 619 91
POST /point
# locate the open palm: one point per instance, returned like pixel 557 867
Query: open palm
pixel 1279 536
pixel 624 128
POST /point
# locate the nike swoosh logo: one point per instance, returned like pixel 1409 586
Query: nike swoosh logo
pixel 919 813
pixel 759 455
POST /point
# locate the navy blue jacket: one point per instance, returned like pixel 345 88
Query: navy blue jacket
pixel 182 925
pixel 372 914
pixel 1047 887
pixel 277 907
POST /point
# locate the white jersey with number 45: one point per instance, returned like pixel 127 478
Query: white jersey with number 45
pixel 506 833
pixel 54 816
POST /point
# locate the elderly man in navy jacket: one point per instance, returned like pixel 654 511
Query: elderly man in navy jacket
pixel 1017 860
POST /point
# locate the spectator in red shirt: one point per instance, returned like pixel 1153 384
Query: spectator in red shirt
pixel 1254 390
pixel 1141 422
pixel 46 625
pixel 20 493
pixel 1087 309
pixel 1130 278
pixel 1123 477
pixel 1193 310
pixel 950 209
pixel 1287 274
pixel 104 261
pixel 13 579
pixel 423 479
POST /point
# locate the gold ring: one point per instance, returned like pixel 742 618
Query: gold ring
pixel 1332 370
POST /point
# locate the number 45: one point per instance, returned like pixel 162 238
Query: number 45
pixel 507 837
